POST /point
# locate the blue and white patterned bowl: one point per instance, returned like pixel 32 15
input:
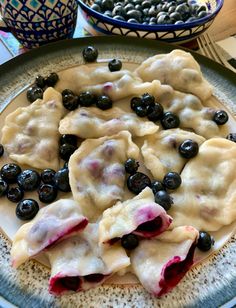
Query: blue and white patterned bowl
pixel 169 33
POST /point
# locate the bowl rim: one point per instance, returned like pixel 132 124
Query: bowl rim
pixel 141 27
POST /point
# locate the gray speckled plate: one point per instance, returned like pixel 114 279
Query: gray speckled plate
pixel 209 284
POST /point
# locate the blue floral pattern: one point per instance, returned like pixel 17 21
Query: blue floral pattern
pixel 36 22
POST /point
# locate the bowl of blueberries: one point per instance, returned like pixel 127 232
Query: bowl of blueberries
pixel 167 20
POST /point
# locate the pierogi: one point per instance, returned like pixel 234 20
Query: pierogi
pixel 178 69
pixel 53 222
pixel 94 123
pixel 162 262
pixel 78 263
pixel 96 172
pixel 206 198
pixel 30 134
pixel 137 216
pixel 160 151
pixel 82 236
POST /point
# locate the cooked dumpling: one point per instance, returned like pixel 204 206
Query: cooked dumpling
pixel 193 115
pixel 100 80
pixel 206 198
pixel 94 123
pixel 52 222
pixel 140 216
pixel 160 151
pixel 96 172
pixel 30 134
pixel 79 263
pixel 178 69
pixel 162 262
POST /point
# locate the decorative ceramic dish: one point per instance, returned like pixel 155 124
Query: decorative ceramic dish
pixel 169 33
pixel 207 283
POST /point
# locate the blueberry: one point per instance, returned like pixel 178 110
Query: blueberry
pixel 104 102
pixel 157 186
pixel 137 182
pixel 39 81
pixel 33 93
pixel 129 7
pixel 27 209
pixel 118 10
pixel 205 241
pixel 62 180
pixel 47 176
pixel 3 187
pixel 133 20
pixel 134 14
pixel 148 100
pixel 202 14
pixel 175 16
pixel 188 148
pixel 172 180
pixel 10 172
pixel 66 92
pixel 129 241
pixel 135 102
pixel 146 4
pixel 66 150
pixel 68 138
pixel 164 199
pixel 96 7
pixel 220 117
pixel 87 99
pixel 170 120
pixel 15 194
pixel 47 193
pixel 28 180
pixel 115 65
pixel 155 112
pixel 70 102
pixel 65 164
pixel 179 22
pixel 51 79
pixel 118 17
pixel 164 19
pixel 141 111
pixel 1 150
pixel 131 165
pixel 90 54
pixel 107 5
pixel 231 137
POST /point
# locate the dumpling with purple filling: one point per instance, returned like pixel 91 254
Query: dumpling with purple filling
pixel 78 263
pixel 94 123
pixel 53 222
pixel 206 198
pixel 161 154
pixel 30 134
pixel 140 216
pixel 178 69
pixel 97 174
pixel 162 262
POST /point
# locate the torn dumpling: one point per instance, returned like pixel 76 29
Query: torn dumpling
pixel 162 262
pixel 79 263
pixel 94 123
pixel 206 198
pixel 140 216
pixel 160 151
pixel 97 174
pixel 30 134
pixel 52 222
pixel 178 69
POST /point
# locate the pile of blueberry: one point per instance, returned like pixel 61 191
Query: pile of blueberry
pixel 40 84
pixel 146 106
pixel 151 12
pixel 15 182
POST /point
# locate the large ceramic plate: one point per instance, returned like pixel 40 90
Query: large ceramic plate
pixel 208 284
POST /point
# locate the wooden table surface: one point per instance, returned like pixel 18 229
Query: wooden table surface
pixel 224 24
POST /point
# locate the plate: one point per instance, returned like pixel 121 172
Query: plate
pixel 210 283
